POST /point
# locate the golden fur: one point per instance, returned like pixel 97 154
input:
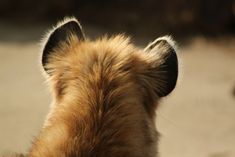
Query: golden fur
pixel 98 104
pixel 104 99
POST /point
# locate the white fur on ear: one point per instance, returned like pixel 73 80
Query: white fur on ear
pixel 66 20
pixel 60 33
pixel 164 63
pixel 167 38
pixel 59 24
pixel 171 41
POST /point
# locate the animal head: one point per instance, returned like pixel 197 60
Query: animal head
pixel 75 64
pixel 105 92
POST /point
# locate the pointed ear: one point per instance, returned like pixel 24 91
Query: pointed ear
pixel 61 34
pixel 163 72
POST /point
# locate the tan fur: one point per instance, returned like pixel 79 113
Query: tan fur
pixel 98 108
pixel 104 102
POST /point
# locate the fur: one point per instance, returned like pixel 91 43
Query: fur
pixel 105 95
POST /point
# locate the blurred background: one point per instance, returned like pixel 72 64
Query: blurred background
pixel 197 120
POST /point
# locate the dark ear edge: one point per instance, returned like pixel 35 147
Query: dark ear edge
pixel 169 67
pixel 61 33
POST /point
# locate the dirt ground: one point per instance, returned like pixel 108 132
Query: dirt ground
pixel 197 120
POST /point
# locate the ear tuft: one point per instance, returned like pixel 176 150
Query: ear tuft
pixel 61 33
pixel 165 50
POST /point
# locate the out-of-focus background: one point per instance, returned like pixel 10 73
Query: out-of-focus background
pixel 197 120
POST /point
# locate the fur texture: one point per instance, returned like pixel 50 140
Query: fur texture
pixel 105 95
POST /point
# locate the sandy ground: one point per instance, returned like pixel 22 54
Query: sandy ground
pixel 197 120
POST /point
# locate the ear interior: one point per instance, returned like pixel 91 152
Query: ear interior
pixel 164 74
pixel 60 34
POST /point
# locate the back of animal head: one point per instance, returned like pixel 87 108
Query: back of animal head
pixel 69 57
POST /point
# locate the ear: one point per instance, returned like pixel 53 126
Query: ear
pixel 163 70
pixel 61 34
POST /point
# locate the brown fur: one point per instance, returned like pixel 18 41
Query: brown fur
pixel 98 108
pixel 104 100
